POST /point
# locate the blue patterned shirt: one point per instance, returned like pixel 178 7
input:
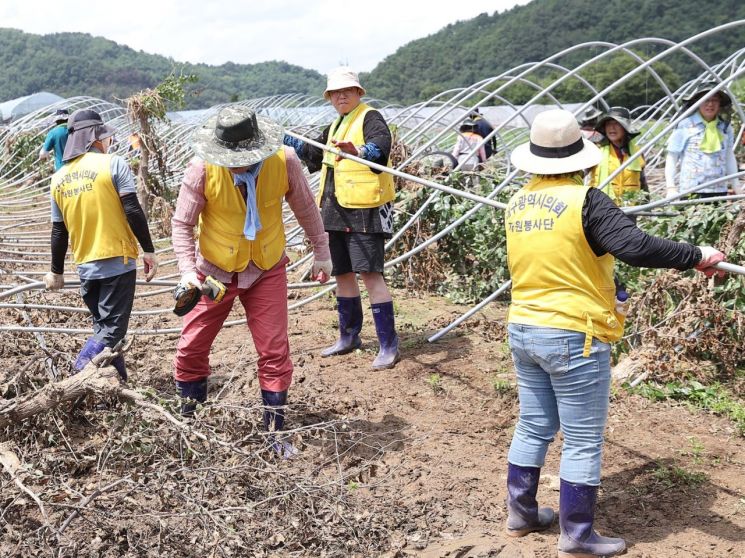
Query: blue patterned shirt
pixel 697 167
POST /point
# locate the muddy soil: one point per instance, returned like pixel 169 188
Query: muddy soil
pixel 437 431
pixel 450 470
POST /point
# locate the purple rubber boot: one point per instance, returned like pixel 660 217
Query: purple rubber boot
pixel 523 514
pixel 91 348
pixel 576 516
pixel 350 325
pixel 385 326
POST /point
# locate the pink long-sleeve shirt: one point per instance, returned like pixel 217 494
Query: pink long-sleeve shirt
pixel 191 201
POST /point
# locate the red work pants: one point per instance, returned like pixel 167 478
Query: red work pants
pixel 265 303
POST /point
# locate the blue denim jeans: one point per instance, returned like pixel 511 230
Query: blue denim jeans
pixel 560 389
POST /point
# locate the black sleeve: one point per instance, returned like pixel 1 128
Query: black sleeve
pixel 643 181
pixel 313 156
pixel 610 230
pixel 60 239
pixel 375 130
pixel 137 221
pixel 483 128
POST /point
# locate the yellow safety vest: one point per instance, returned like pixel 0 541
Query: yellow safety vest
pixel 627 180
pixel 557 280
pixel 355 184
pixel 220 230
pixel 92 210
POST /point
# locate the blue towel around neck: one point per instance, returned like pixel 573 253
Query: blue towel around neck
pixel 253 223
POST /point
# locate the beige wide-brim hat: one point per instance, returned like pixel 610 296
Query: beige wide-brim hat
pixel 341 78
pixel 237 137
pixel 556 146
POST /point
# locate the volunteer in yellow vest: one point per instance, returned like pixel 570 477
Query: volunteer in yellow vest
pixel 95 207
pixel 617 147
pixel 232 192
pixel 562 237
pixel 356 206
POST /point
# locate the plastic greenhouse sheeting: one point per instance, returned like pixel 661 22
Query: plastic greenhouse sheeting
pixel 15 108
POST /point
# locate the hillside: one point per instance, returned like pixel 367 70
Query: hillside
pixel 468 51
pixel 458 55
pixel 72 64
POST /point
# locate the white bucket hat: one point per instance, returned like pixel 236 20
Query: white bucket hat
pixel 341 78
pixel 556 146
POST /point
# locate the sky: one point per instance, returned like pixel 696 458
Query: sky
pixel 316 34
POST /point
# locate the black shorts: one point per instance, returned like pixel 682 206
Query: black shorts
pixel 353 252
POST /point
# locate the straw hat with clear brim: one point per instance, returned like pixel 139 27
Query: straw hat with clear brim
pixel 620 115
pixel 237 137
pixel 341 78
pixel 556 146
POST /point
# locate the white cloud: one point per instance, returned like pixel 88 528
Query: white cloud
pixel 319 34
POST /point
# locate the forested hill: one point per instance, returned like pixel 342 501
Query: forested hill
pixel 70 64
pixel 469 51
pixel 460 54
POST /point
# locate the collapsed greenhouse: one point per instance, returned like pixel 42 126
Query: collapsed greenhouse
pixel 146 480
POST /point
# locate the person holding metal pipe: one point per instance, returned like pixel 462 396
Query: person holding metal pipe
pixel 356 205
pixel 617 146
pixel 701 147
pixel 562 238
pixel 232 192
pixel 95 207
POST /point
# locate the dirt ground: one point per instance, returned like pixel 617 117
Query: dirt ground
pixel 437 429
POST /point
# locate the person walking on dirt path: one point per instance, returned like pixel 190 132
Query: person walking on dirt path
pixel 701 148
pixel 232 192
pixel 562 237
pixel 617 147
pixel 56 139
pixel 94 205
pixel 356 205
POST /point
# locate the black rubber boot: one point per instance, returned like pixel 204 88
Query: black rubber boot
pixel 194 393
pixel 120 366
pixel 274 422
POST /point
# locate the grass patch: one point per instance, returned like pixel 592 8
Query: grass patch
pixel 714 398
pixel 435 382
pixel 677 477
pixel 503 387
